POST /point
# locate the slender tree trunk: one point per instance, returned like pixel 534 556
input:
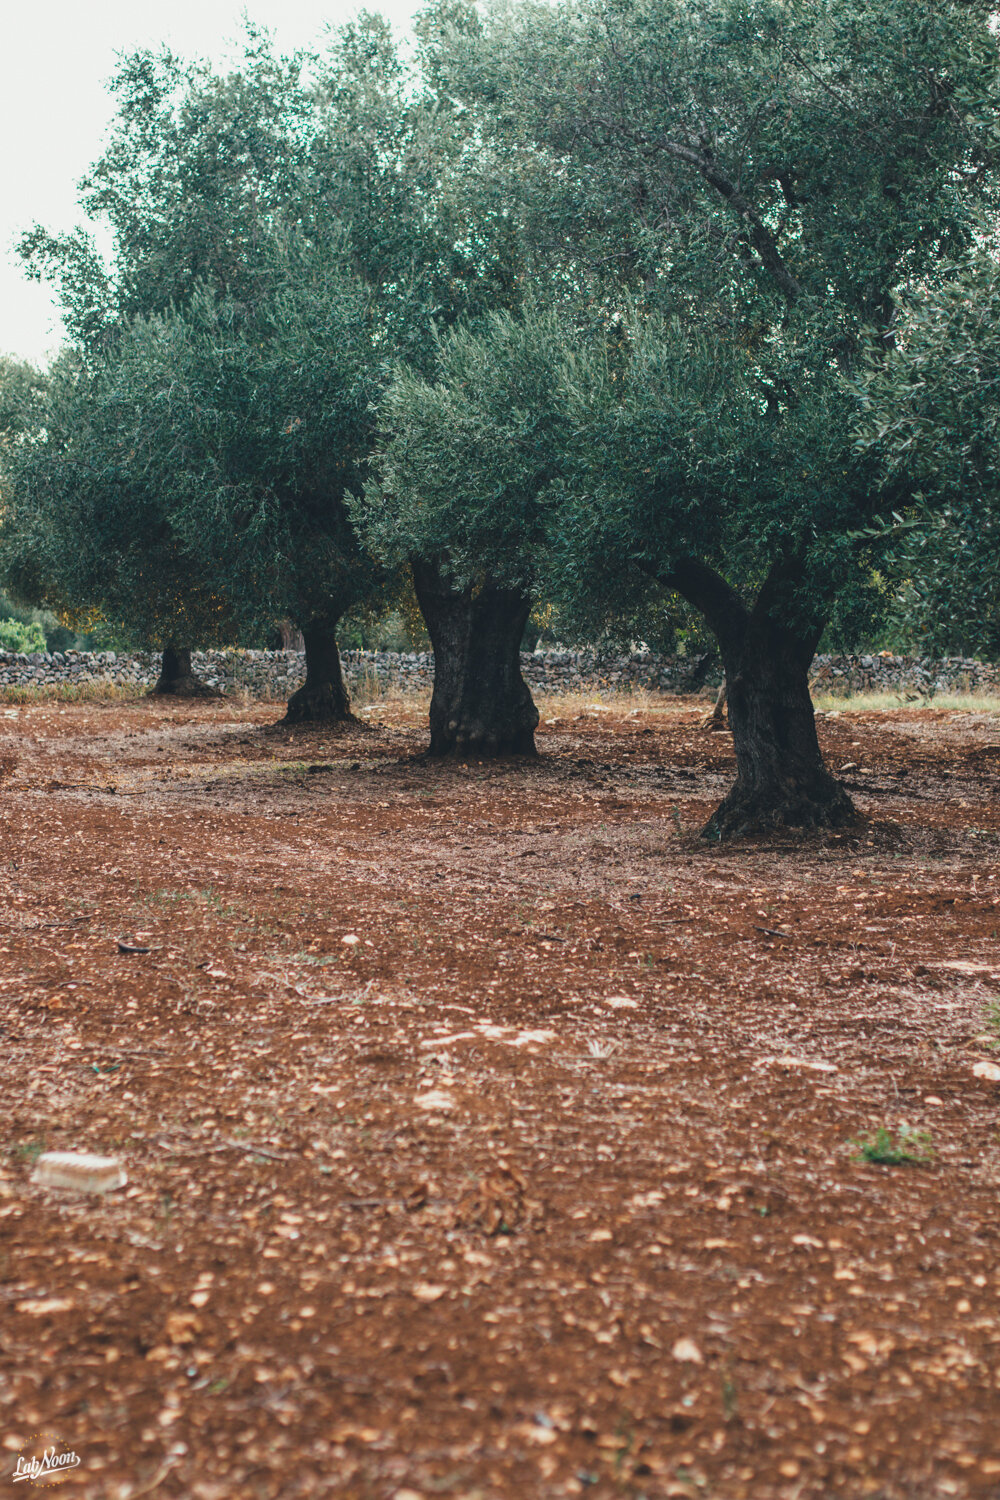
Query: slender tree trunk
pixel 781 778
pixel 291 636
pixel 716 721
pixel 176 677
pixel 481 706
pixel 323 697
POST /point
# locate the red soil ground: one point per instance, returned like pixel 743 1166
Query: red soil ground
pixel 487 1135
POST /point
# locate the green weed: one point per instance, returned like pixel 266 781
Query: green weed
pixel 908 1147
pixel 28 1151
pixel 993 1022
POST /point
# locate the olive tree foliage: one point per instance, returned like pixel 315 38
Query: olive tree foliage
pixel 21 384
pixel 930 417
pixel 765 174
pixel 465 454
pixel 466 451
pixel 224 435
pixel 197 168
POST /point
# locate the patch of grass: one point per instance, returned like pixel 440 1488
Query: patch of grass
pixel 368 690
pixel 599 700
pixel 907 1148
pixel 993 1022
pixel 28 1151
pixel 167 900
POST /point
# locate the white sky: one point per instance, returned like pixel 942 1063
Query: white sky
pixel 55 59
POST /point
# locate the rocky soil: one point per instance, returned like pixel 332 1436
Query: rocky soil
pixel 487 1135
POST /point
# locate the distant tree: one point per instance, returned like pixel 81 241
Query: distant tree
pixel 82 534
pixel 228 355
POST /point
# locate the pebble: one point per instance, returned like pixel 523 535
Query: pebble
pixel 687 1352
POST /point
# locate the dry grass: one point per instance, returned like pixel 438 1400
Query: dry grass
pixel 71 692
pixel 599 701
pixel 368 689
pixel 372 696
pixel 886 702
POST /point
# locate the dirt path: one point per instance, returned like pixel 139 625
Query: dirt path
pixel 486 1135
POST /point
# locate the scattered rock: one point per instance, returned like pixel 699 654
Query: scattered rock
pixel 37 1306
pixel 435 1099
pixel 796 1062
pixel 79 1171
pixel 687 1351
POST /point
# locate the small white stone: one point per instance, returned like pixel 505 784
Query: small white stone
pixel 687 1351
pixel 79 1171
pixel 435 1099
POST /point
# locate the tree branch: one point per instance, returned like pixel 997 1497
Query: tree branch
pixel 708 592
pixel 760 236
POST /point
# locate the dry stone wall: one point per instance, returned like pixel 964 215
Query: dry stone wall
pixel 276 674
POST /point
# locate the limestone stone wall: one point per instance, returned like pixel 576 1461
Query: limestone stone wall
pixel 273 675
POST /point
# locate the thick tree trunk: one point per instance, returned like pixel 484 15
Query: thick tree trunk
pixel 323 697
pixel 481 706
pixel 781 779
pixel 176 677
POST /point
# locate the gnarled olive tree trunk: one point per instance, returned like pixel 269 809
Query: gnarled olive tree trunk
pixel 781 778
pixel 481 706
pixel 323 697
pixel 176 677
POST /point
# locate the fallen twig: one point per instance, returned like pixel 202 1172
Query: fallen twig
pixel 253 1150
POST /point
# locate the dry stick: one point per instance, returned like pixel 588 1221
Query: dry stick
pixel 253 1150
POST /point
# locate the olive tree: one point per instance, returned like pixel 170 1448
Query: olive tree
pixel 227 352
pixel 465 457
pixel 768 174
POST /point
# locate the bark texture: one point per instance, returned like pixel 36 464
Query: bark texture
pixel 781 778
pixel 481 706
pixel 323 697
pixel 176 677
